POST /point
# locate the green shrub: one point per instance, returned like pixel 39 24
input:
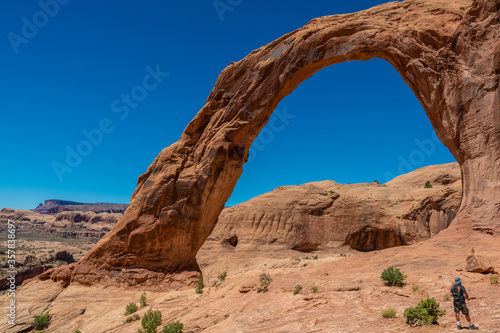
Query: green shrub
pixel 389 313
pixel 174 327
pixel 297 289
pixel 315 257
pixel 150 321
pixel 446 297
pixel 305 265
pixel 130 308
pixel 415 288
pixel 462 8
pixel 199 285
pixel 427 312
pixel 222 276
pixel 78 332
pixel 427 184
pixel 314 289
pixel 41 321
pixel 326 274
pixel 143 300
pixel 393 276
pixel 494 279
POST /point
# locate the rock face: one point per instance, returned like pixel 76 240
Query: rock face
pixel 448 52
pixel 365 216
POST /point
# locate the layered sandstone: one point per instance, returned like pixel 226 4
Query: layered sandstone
pixel 367 216
pixel 446 51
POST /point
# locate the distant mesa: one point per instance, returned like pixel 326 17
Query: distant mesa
pixel 54 206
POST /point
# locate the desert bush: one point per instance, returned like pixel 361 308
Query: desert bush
pixel 78 332
pixel 174 327
pixel 415 288
pixel 143 300
pixel 133 318
pixel 427 312
pixel 130 308
pixel 150 321
pixel 315 257
pixel 427 184
pixel 314 289
pixel 393 276
pixel 389 313
pixel 222 276
pixel 305 265
pixel 265 279
pixel 297 289
pixel 41 321
pixel 494 279
pixel 199 285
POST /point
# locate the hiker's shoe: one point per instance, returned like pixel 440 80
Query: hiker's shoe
pixel 472 327
pixel 459 327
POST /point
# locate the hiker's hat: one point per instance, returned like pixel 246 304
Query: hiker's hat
pixel 458 280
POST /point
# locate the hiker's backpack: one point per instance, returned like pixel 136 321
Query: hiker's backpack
pixel 456 291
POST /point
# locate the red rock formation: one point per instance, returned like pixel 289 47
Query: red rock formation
pixel 447 55
pixel 367 216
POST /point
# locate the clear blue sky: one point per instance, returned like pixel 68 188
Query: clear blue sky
pixel 67 71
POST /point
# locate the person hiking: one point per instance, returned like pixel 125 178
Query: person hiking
pixel 4 288
pixel 459 296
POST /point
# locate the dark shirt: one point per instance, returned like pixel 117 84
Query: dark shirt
pixel 463 292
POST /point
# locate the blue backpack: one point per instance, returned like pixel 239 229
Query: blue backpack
pixel 456 290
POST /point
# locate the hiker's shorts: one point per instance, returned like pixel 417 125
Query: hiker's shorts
pixel 461 307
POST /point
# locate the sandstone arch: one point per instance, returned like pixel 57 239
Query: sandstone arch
pixel 448 56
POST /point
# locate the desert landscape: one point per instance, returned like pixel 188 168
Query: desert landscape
pixel 310 257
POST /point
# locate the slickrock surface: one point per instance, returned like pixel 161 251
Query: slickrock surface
pixel 365 216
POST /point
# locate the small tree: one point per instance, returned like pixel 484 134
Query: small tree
pixel 427 184
pixel 150 321
pixel 143 300
pixel 427 311
pixel 393 276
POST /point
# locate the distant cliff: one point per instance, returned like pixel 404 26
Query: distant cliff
pixel 54 206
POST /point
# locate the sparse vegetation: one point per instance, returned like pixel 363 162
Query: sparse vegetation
pixel 315 257
pixel 222 276
pixel 427 312
pixel 297 289
pixel 305 265
pixel 376 182
pixel 326 274
pixel 174 327
pixel 393 276
pixel 427 184
pixel 143 300
pixel 389 313
pixel 150 321
pixel 199 285
pixel 78 332
pixel 265 279
pixel 446 298
pixel 41 321
pixel 494 279
pixel 343 255
pixel 314 289
pixel 130 308
pixel 398 217
pixel 132 318
pixel 462 8
pixel 307 258
pixel 415 288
